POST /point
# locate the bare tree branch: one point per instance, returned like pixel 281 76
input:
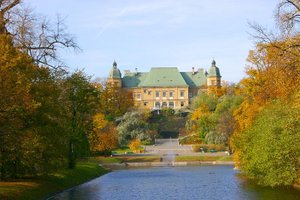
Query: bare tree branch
pixel 5 6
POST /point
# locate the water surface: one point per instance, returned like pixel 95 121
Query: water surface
pixel 182 183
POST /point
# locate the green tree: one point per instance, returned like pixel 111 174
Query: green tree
pixel 133 126
pixel 270 151
pixel 83 101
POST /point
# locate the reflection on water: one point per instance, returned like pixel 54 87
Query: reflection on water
pixel 202 182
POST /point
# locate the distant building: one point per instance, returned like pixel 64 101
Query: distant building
pixel 165 86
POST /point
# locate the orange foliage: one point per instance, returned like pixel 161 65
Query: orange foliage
pixel 135 145
pixel 104 136
pixel 104 139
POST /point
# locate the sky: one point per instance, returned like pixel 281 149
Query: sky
pixel 154 33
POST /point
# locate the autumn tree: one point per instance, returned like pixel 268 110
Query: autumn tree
pixel 16 103
pixel 270 95
pixel 104 137
pixel 115 101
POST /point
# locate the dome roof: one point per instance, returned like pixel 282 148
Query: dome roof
pixel 114 72
pixel 214 71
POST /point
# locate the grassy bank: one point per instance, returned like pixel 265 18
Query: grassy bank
pixel 41 187
pixel 203 158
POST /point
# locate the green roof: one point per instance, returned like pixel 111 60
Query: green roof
pixel 214 70
pixel 194 80
pixel 167 77
pixel 133 79
pixel 163 77
pixel 114 72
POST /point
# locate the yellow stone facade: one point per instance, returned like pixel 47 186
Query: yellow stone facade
pixel 156 98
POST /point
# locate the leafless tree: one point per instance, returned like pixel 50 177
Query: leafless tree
pixel 288 21
pixel 288 14
pixel 34 34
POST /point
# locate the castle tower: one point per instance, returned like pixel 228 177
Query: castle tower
pixel 214 76
pixel 114 77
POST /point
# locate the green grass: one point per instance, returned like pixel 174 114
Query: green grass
pixel 106 160
pixel 203 158
pixel 124 150
pixel 44 186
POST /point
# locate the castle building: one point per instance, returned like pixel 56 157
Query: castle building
pixel 165 86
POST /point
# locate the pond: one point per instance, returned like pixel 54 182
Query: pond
pixel 182 183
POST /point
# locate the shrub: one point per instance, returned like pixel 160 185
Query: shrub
pixel 190 139
pixel 135 145
pixel 208 147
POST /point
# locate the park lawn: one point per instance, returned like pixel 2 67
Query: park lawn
pixel 203 158
pixel 141 159
pixel 44 186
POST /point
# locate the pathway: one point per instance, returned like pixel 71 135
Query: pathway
pixel 164 146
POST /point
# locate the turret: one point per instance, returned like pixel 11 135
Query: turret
pixel 214 76
pixel 114 77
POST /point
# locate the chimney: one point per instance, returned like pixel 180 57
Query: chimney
pixel 136 71
pixel 193 70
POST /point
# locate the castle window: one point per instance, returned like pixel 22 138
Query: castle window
pixel 171 104
pixel 164 94
pixel 182 104
pixel 164 104
pixel 157 105
pixel 157 94
pixel 171 94
pixel 181 93
pixel 138 96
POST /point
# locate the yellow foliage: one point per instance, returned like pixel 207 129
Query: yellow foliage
pixel 135 145
pixel 104 136
pixel 201 111
pixel 218 91
pixel 99 121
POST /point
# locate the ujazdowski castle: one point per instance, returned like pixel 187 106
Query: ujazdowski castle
pixel 165 87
